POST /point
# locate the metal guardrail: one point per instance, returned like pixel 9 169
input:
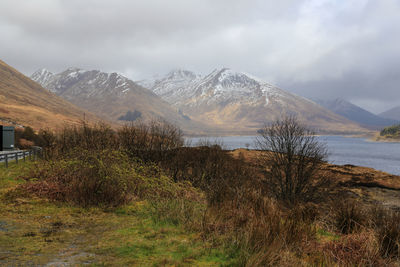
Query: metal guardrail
pixel 17 155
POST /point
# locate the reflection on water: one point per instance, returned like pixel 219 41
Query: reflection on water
pixel 342 150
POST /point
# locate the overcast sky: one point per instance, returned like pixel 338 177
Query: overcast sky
pixel 314 48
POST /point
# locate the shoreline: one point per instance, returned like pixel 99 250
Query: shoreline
pixel 370 137
pixel 383 139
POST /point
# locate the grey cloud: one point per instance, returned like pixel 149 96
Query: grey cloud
pixel 318 48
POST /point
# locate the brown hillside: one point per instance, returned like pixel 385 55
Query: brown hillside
pixel 25 102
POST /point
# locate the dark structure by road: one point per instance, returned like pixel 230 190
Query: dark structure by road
pixel 6 138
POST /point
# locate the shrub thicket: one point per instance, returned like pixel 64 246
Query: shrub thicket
pixel 211 169
pixel 85 178
pixel 391 131
pixel 150 142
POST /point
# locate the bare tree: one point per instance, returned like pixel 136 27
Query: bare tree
pixel 292 159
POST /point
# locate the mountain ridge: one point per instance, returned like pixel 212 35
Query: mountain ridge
pixel 235 100
pixel 112 96
pixel 393 113
pixel 355 113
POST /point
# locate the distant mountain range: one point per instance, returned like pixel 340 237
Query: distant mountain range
pixel 26 103
pixel 222 102
pixel 393 113
pixel 239 102
pixel 112 96
pixel 357 114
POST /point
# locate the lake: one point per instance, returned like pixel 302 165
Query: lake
pixel 342 150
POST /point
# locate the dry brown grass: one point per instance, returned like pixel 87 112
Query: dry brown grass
pixel 361 249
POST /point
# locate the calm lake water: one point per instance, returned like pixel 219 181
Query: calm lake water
pixel 342 150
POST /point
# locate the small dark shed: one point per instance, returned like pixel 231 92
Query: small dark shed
pixel 6 138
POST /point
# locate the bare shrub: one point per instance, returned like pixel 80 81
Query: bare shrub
pixel 150 141
pixel 46 139
pixel 292 158
pixel 85 136
pixel 211 169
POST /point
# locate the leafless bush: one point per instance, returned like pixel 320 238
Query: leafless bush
pixel 85 136
pixel 292 158
pixel 209 168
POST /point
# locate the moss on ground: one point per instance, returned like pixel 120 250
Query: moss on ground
pixel 34 231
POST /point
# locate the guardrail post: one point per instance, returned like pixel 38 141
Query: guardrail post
pixel 30 155
pixel 6 160
pixel 16 157
pixel 23 155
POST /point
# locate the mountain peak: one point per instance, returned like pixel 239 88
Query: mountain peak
pixel 228 73
pixel 74 72
pixel 74 69
pixel 42 76
pixel 42 71
pixel 231 80
pixel 181 74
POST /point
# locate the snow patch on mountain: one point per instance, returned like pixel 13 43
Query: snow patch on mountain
pixel 42 76
pixel 221 87
pixel 75 81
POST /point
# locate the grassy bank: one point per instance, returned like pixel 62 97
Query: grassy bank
pixel 36 231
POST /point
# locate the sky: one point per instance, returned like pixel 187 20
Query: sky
pixel 321 49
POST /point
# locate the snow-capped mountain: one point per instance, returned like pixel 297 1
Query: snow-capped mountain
pixel 222 86
pixel 238 100
pixel 174 87
pixel 110 95
pixel 75 81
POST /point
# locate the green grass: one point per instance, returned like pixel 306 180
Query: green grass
pixel 35 231
pixel 9 176
pixel 324 235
